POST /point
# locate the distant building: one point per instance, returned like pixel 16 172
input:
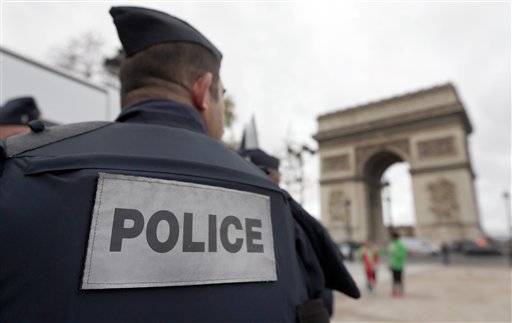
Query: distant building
pixel 60 95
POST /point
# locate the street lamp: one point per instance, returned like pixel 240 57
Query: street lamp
pixel 387 199
pixel 506 197
pixel 348 220
pixel 348 227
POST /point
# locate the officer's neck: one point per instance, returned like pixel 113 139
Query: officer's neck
pixel 169 91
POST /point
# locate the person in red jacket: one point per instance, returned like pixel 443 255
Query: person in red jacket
pixel 369 255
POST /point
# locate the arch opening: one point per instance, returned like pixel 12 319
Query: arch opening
pixel 388 190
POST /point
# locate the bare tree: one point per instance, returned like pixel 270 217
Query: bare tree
pixel 82 55
pixel 229 120
pixel 229 112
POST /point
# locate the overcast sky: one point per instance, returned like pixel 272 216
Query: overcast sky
pixel 288 62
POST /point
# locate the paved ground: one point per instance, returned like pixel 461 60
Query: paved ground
pixel 470 290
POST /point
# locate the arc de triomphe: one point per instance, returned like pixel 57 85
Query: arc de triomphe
pixel 428 130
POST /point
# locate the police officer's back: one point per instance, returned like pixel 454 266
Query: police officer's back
pixel 148 218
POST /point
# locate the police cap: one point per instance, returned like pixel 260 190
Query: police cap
pixel 260 158
pixel 19 111
pixel 140 28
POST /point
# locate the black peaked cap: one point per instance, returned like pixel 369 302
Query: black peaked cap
pixel 139 28
pixel 260 158
pixel 19 111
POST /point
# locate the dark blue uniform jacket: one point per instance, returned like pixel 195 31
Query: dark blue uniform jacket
pixel 46 200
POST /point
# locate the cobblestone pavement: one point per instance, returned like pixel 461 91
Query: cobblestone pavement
pixel 469 291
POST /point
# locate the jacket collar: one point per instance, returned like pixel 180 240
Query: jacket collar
pixel 164 112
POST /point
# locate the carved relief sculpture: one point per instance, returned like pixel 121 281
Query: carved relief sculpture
pixel 335 163
pixel 437 147
pixel 443 198
pixel 337 208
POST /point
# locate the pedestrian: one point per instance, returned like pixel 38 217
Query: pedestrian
pixel 397 256
pixel 149 218
pixel 445 254
pixel 368 254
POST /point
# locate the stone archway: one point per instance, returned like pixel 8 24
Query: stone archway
pixel 428 130
pixel 373 169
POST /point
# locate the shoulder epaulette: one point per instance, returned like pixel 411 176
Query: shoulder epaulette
pixel 18 144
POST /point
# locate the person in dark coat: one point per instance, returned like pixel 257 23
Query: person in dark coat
pixel 150 218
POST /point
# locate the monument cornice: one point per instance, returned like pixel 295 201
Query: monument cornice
pixel 414 120
pixel 449 167
pixel 395 99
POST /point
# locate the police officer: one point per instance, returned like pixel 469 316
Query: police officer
pixel 148 218
pixel 267 163
pixel 325 268
pixel 16 114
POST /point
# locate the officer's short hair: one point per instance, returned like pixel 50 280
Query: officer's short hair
pixel 180 63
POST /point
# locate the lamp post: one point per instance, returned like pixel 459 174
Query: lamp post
pixel 506 197
pixel 348 220
pixel 387 186
pixel 348 227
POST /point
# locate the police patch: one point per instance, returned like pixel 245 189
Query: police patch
pixel 148 232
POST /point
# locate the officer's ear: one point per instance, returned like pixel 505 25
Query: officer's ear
pixel 201 92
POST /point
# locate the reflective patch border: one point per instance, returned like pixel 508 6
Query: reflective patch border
pixel 134 263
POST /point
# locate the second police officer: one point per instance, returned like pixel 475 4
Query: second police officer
pixel 17 113
pixel 315 247
pixel 150 218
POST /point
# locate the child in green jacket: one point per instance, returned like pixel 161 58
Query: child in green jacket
pixel 397 256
